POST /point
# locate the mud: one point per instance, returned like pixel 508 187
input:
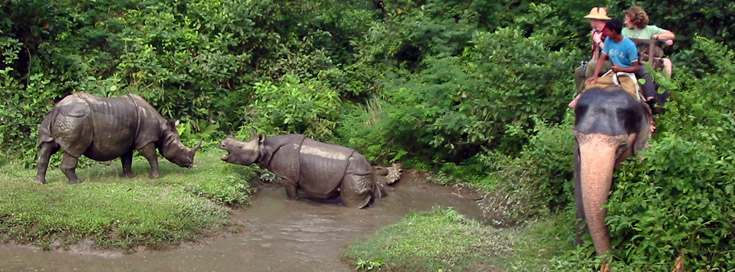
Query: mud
pixel 274 234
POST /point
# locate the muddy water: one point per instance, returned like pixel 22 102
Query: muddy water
pixel 277 235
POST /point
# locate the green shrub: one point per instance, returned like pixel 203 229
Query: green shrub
pixel 293 106
pixel 537 181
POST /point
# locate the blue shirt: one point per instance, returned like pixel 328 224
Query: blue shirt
pixel 622 54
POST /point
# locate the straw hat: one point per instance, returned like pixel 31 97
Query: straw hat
pixel 598 13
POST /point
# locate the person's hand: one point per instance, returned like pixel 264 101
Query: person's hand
pixel 615 68
pixel 597 37
pixel 591 80
pixel 669 42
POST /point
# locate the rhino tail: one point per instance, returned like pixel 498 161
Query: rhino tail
pixel 44 131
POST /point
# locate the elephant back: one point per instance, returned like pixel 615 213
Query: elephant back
pixel 322 166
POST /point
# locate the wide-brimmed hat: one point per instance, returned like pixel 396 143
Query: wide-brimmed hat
pixel 598 13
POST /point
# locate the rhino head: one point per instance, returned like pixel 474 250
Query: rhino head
pixel 243 153
pixel 173 150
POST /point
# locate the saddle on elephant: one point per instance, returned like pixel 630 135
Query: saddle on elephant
pixel 627 81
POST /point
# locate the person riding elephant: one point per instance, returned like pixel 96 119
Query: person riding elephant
pixel 597 18
pixel 637 27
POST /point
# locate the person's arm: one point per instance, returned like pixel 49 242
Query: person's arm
pixel 597 38
pixel 662 34
pixel 666 35
pixel 632 69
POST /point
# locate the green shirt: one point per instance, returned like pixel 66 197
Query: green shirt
pixel 644 33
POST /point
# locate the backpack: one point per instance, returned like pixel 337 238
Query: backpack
pixel 645 54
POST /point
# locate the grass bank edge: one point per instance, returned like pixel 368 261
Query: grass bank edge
pixel 116 213
pixel 445 240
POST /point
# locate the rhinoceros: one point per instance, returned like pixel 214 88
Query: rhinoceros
pixel 103 129
pixel 322 171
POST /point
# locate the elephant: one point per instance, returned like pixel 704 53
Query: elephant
pixel 103 129
pixel 610 126
pixel 322 171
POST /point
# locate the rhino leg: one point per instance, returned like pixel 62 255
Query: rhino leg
pixel 357 190
pixel 292 191
pixel 149 152
pixel 127 162
pixel 45 151
pixel 68 166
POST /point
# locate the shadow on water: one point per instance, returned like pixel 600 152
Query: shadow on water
pixel 278 235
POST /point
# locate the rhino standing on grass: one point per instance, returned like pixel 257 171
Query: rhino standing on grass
pixel 103 129
pixel 322 171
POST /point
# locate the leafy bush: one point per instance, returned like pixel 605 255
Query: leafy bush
pixel 293 106
pixel 537 181
pixel 22 112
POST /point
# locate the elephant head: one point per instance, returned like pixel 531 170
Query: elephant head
pixel 243 153
pixel 610 126
pixel 173 150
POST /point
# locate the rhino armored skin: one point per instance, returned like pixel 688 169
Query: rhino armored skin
pixel 103 129
pixel 321 170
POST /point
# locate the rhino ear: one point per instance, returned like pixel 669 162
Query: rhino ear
pixel 171 124
pixel 261 138
pixel 255 133
pixel 231 136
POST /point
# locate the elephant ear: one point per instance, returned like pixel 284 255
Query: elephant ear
pixel 644 133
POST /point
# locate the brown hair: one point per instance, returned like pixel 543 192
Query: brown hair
pixel 637 16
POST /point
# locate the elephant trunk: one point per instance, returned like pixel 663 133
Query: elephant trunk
pixel 597 158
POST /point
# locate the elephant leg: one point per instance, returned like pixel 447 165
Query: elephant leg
pixel 580 226
pixel 68 166
pixel 149 152
pixel 127 162
pixel 598 157
pixel 45 151
pixel 357 190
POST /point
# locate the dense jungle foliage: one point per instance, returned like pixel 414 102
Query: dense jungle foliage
pixel 476 90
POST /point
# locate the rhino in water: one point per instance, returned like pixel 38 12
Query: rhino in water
pixel 321 170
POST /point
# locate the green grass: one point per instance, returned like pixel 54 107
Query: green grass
pixel 441 239
pixel 120 213
pixel 444 240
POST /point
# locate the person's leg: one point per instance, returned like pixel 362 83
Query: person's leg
pixel 579 79
pixel 649 89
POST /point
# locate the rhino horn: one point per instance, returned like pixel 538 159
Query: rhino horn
pixel 199 145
